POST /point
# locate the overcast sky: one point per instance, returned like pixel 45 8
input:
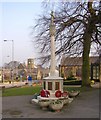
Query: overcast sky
pixel 16 22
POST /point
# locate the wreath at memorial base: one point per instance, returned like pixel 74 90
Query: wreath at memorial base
pixel 45 93
pixel 58 93
pixel 65 94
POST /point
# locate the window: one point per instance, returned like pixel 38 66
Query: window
pixel 95 72
pixel 44 85
pixel 49 85
pixel 57 86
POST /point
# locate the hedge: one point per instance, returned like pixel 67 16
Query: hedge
pixel 72 82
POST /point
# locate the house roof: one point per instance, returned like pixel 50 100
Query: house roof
pixel 72 61
pixel 11 64
pixel 21 66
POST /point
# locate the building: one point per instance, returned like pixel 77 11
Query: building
pixel 30 63
pixel 20 71
pixel 0 74
pixel 72 66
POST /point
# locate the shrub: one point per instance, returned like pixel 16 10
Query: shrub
pixel 71 77
pixel 72 82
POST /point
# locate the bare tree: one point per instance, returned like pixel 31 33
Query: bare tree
pixel 78 27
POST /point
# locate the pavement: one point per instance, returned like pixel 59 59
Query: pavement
pixel 86 105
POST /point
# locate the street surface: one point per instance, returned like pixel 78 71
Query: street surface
pixel 86 105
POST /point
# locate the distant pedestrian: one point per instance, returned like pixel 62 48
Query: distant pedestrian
pixel 30 80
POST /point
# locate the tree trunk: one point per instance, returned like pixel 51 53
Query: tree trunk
pixel 86 46
pixel 85 56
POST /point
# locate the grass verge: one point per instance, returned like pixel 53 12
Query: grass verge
pixel 28 90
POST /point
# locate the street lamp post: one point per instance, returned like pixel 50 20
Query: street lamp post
pixel 12 57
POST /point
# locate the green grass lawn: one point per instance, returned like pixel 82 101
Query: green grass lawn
pixel 67 88
pixel 27 90
pixel 81 89
pixel 21 91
